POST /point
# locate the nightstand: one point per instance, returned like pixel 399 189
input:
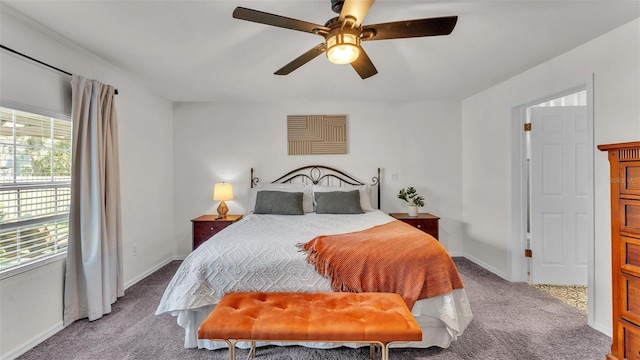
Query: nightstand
pixel 206 226
pixel 424 221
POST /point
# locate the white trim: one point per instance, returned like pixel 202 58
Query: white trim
pixel 16 270
pixel 486 266
pixel 142 276
pixel 15 105
pixel 516 201
pixel 59 325
pixel 605 329
pixel 33 342
pixel 516 264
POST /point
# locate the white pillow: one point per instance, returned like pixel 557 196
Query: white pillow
pixel 365 193
pixel 305 189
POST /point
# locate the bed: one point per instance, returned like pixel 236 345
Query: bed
pixel 264 251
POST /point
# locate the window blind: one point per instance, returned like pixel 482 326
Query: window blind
pixel 35 186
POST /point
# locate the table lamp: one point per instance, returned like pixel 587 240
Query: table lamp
pixel 221 192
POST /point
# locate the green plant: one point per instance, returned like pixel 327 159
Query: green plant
pixel 411 196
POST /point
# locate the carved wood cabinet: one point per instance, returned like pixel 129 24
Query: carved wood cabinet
pixel 624 161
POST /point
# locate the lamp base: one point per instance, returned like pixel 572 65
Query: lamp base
pixel 222 209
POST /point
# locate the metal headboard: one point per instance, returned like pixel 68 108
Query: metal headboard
pixel 320 174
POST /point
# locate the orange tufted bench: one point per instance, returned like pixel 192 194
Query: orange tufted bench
pixel 374 318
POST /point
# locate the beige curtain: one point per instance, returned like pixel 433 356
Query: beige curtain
pixel 93 277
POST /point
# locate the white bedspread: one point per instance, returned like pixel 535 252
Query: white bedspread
pixel 259 253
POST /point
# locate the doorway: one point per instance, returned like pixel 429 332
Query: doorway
pixel 527 213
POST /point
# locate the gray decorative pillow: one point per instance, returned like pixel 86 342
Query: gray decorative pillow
pixel 338 202
pixel 279 203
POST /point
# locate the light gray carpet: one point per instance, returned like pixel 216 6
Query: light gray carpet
pixel 511 321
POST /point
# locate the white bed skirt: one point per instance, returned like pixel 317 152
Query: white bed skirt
pixel 436 331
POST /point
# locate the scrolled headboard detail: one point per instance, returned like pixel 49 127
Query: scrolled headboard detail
pixel 320 175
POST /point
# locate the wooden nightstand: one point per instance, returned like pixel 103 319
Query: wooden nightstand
pixel 206 226
pixel 424 221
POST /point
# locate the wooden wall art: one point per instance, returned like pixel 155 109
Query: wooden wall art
pixel 317 134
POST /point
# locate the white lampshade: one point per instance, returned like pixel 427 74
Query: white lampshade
pixel 222 192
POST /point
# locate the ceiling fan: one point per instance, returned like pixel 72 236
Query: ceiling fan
pixel 344 33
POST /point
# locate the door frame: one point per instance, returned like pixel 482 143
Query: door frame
pixel 517 204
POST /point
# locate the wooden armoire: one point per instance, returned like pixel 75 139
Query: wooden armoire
pixel 624 160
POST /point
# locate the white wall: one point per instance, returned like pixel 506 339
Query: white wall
pixel 614 59
pixel 221 141
pixel 432 145
pixel 146 151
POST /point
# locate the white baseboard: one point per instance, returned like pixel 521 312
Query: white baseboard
pixel 59 326
pixel 597 326
pixel 486 266
pixel 52 331
pixel 33 342
pixel 602 328
pixel 140 277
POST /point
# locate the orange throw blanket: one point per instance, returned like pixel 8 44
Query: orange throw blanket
pixel 394 257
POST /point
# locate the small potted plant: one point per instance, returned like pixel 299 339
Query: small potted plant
pixel 411 196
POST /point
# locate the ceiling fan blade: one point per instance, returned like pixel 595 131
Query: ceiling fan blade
pixel 276 20
pixel 363 65
pixel 410 28
pixel 356 8
pixel 302 59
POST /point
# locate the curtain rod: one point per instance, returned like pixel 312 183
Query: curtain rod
pixel 40 62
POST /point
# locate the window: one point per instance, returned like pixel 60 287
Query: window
pixel 35 187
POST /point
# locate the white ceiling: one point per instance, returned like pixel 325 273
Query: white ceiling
pixel 195 51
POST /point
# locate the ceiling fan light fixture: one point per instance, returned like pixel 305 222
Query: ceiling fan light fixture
pixel 342 34
pixel 343 48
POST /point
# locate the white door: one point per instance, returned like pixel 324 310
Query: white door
pixel 561 221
